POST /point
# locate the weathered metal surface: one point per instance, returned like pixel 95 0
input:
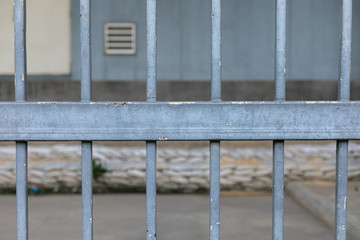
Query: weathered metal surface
pixel 86 146
pixel 151 41
pixel 214 222
pixel 278 191
pixel 280 50
pixel 214 219
pixel 278 146
pixel 85 53
pixel 20 96
pixel 86 189
pixel 151 50
pixel 345 53
pixel 151 209
pixel 21 191
pixel 341 189
pixel 216 50
pixel 180 121
pixel 342 146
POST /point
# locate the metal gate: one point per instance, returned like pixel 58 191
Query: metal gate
pixel 153 121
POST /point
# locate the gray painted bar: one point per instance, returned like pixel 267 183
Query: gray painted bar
pixel 341 189
pixel 342 146
pixel 86 186
pixel 214 222
pixel 151 209
pixel 278 148
pixel 20 96
pixel 216 50
pixel 278 191
pixel 85 53
pixel 165 121
pixel 86 146
pixel 21 191
pixel 151 53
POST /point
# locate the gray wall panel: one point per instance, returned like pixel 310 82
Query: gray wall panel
pixel 184 31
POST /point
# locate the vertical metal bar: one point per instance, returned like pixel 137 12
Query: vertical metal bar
pixel 86 146
pixel 151 212
pixel 216 50
pixel 342 146
pixel 345 54
pixel 278 146
pixel 21 191
pixel 87 209
pixel 20 96
pixel 214 190
pixel 341 189
pixel 280 43
pixel 151 190
pixel 85 41
pixel 278 190
pixel 20 49
pixel 214 222
pixel 151 50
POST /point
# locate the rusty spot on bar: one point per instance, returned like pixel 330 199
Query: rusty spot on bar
pixel 124 104
pixel 80 15
pixel 115 104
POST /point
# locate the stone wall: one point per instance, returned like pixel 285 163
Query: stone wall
pixel 57 167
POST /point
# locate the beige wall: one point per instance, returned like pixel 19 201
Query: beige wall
pixel 48 37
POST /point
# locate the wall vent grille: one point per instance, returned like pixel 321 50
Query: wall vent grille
pixel 119 38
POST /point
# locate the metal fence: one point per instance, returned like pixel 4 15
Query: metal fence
pixel 153 121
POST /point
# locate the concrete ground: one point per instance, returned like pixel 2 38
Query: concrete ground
pixel 180 217
pixel 319 198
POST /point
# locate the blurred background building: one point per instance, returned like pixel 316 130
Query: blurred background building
pixel 184 44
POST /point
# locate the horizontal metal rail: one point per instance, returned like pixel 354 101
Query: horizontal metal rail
pixel 179 121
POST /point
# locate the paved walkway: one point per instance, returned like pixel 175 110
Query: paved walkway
pixel 181 217
pixel 319 198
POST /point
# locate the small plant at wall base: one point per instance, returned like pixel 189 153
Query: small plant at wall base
pixel 98 168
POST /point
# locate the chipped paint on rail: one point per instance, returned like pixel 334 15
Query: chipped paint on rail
pixel 180 103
